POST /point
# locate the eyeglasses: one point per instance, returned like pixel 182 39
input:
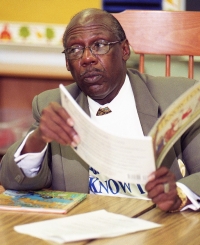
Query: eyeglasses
pixel 97 48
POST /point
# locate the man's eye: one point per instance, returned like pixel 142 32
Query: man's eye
pixel 73 50
pixel 98 45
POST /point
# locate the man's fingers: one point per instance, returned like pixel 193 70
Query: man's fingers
pixel 161 188
pixel 166 187
pixel 64 136
pixel 56 124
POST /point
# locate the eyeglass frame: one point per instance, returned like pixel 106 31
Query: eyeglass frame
pixel 89 47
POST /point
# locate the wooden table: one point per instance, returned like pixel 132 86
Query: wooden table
pixel 177 229
pixel 8 219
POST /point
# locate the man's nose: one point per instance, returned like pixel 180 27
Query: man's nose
pixel 88 56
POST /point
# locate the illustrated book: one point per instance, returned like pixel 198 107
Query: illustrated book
pixel 45 201
pixel 132 159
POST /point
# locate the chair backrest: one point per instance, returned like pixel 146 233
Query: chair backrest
pixel 163 33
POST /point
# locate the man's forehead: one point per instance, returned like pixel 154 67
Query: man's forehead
pixel 90 21
pixel 92 28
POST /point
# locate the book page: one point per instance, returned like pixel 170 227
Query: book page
pixel 78 227
pixel 175 121
pixel 123 159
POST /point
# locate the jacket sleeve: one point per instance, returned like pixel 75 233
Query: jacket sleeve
pixel 12 177
pixel 190 147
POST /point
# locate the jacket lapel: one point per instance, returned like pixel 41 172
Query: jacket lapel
pixel 147 107
pixel 83 103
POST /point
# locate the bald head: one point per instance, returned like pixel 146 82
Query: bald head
pixel 90 16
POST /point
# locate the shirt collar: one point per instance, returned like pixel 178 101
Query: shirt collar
pixel 115 103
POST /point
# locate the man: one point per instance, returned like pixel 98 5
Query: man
pixel 96 51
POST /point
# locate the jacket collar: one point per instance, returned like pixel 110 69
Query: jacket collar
pixel 146 106
pixel 83 102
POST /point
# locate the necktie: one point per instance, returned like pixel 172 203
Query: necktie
pixel 103 111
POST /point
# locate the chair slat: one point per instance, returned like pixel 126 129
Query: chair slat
pixel 191 66
pixel 141 63
pixel 168 65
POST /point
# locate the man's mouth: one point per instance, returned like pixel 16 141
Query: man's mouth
pixel 92 79
pixel 91 76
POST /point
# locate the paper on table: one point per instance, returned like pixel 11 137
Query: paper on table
pixel 75 228
pixel 123 159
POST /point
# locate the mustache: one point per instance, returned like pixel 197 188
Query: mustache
pixel 89 71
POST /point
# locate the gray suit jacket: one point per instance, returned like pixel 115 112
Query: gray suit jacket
pixel 63 169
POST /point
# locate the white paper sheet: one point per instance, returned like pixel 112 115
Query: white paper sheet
pixel 92 225
pixel 123 159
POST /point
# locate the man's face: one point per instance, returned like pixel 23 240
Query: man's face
pixel 98 76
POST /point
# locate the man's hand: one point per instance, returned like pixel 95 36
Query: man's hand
pixel 161 188
pixel 55 125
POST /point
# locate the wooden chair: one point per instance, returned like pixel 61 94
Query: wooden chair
pixel 163 33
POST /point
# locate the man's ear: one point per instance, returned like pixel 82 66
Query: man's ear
pixel 67 65
pixel 126 50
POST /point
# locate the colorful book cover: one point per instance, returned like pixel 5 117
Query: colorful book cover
pixel 48 201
